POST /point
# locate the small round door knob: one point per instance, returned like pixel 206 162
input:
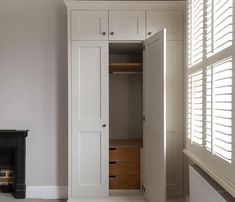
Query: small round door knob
pixel 149 33
pixel 103 33
pixel 104 125
pixel 112 33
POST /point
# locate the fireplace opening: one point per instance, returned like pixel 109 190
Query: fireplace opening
pixel 7 165
pixel 12 162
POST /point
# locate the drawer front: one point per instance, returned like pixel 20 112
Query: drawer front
pixel 124 168
pixel 124 154
pixel 124 182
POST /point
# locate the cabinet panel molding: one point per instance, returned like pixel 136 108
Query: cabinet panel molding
pixel 89 139
pixel 126 25
pixel 89 25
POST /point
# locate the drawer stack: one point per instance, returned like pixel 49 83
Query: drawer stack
pixel 124 164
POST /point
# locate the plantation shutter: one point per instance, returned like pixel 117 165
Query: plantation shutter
pixel 222 109
pixel 219 25
pixel 209 118
pixel 196 116
pixel 195 32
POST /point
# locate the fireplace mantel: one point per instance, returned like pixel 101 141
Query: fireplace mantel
pixel 15 140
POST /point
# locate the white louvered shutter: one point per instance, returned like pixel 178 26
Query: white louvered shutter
pixel 219 25
pixel 189 107
pixel 195 32
pixel 197 109
pixel 222 109
pixel 194 108
pixel 208 121
pixel 189 34
pixel 209 72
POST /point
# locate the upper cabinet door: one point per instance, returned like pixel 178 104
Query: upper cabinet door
pixel 171 20
pixel 89 25
pixel 126 25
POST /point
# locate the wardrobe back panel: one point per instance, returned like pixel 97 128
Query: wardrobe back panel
pixel 125 106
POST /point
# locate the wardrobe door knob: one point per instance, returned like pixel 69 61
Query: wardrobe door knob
pixel 149 33
pixel 104 125
pixel 103 33
pixel 112 33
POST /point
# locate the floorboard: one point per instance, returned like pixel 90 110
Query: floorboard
pixel 10 198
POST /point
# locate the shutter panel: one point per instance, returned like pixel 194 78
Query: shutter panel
pixel 189 35
pixel 197 108
pixel 219 25
pixel 208 121
pixel 189 107
pixel 222 109
pixel 197 31
pixel 218 118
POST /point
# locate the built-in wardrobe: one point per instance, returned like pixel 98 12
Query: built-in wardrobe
pixel 125 74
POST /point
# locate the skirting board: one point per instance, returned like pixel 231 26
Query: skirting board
pixel 47 192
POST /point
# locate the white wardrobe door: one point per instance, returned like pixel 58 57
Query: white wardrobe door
pixel 126 25
pixel 89 152
pixel 155 118
pixel 89 25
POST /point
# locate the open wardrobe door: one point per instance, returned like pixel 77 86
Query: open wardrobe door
pixel 154 140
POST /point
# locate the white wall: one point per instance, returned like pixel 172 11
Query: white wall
pixel 33 84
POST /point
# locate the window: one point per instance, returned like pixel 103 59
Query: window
pixel 209 83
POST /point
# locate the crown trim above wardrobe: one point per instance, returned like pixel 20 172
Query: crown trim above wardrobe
pixel 124 5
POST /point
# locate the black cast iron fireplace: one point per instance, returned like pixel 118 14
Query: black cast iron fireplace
pixel 12 162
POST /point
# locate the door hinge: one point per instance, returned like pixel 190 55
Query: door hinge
pixel 143 188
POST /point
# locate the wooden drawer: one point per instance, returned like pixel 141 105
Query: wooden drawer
pixel 124 154
pixel 124 168
pixel 124 182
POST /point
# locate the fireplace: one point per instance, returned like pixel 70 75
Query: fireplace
pixel 12 162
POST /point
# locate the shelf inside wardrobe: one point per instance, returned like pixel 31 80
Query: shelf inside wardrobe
pixel 125 67
pixel 125 57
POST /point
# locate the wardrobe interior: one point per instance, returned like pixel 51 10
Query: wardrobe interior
pixel 125 115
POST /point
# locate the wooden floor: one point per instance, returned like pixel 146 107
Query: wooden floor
pixel 10 198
